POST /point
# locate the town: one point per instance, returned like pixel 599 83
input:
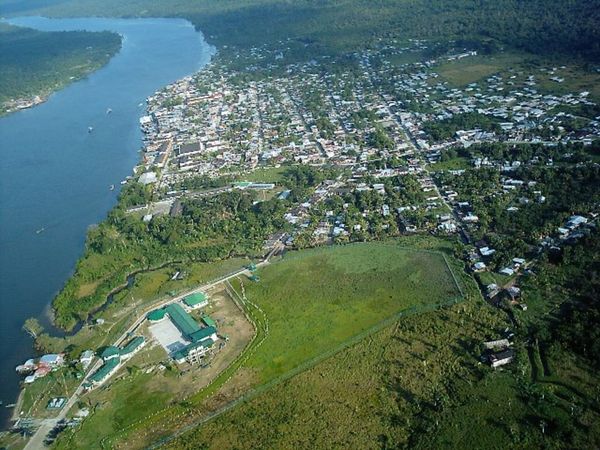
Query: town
pixel 399 150
pixel 399 138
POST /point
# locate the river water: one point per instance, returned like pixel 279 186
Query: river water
pixel 55 176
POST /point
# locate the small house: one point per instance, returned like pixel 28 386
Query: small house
pixel 502 358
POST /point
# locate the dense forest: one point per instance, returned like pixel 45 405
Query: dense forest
pixel 539 26
pixel 208 229
pixel 37 63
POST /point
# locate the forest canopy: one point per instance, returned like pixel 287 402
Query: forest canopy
pixel 548 27
pixel 37 62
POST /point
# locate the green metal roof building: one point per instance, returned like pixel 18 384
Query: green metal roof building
pixel 184 352
pixel 202 334
pixel 156 315
pixel 208 321
pixel 104 371
pixel 182 320
pixel 110 353
pixel 195 300
pixel 132 345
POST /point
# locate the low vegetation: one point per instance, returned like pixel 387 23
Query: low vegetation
pixel 419 383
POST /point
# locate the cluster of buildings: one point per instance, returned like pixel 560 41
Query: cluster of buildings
pixel 183 338
pixel 498 353
pixel 38 368
pixel 22 103
pixel 213 124
pixel 520 111
pixel 112 358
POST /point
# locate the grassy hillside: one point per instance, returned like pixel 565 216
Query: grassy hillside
pixel 37 63
pixel 539 26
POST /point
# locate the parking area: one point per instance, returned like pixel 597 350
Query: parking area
pixel 167 334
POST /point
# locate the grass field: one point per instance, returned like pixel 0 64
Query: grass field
pixel 576 79
pixel 452 164
pixel 369 396
pixel 419 384
pixel 264 175
pixel 349 289
pixel 472 69
pixel 313 302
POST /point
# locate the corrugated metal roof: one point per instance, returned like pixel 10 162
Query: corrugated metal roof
pixel 157 314
pixel 110 351
pixel 132 345
pixel 194 299
pixel 208 321
pixel 182 320
pixel 103 371
pixel 202 334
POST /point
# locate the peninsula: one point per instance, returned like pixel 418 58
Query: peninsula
pixel 37 63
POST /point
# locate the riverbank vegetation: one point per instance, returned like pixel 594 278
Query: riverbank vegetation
pixel 37 63
pixel 208 229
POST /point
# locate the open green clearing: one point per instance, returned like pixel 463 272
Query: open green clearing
pixel 352 288
pixel 472 69
pixel 264 175
pixel 419 384
pixel 457 163
pixel 369 396
pixel 319 298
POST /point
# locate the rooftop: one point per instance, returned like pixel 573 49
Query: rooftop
pixel 208 321
pixel 103 371
pixel 110 351
pixel 202 334
pixel 132 345
pixel 180 354
pixel 195 299
pixel 182 320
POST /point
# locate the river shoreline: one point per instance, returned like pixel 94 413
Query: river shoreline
pixel 43 185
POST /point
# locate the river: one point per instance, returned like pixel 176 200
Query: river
pixel 55 176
